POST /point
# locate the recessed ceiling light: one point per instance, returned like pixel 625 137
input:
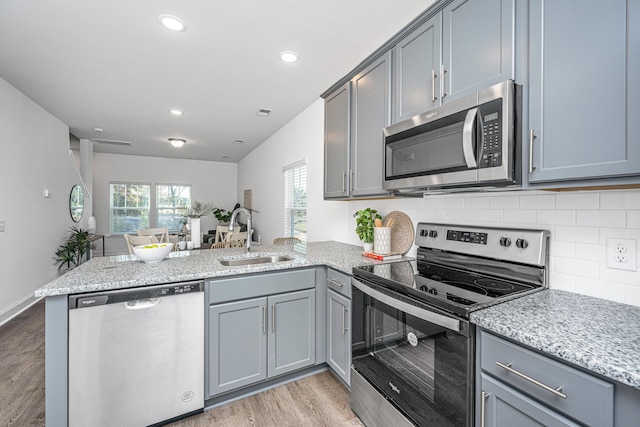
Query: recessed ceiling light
pixel 176 112
pixel 263 112
pixel 172 23
pixel 99 130
pixel 289 56
pixel 238 141
pixel 177 142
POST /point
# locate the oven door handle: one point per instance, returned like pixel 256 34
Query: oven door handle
pixel 468 143
pixel 429 316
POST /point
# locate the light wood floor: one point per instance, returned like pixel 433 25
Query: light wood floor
pixel 319 400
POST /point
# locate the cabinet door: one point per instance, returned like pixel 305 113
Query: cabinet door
pixel 291 338
pixel 417 64
pixel 339 334
pixel 584 100
pixel 505 407
pixel 237 344
pixel 336 143
pixel 371 112
pixel 477 45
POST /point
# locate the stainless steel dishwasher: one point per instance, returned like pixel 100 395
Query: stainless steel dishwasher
pixel 136 356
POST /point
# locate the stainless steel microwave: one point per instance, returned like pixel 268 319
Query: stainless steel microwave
pixel 470 143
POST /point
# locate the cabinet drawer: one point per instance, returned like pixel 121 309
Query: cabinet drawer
pixel 588 399
pixel 339 282
pixel 262 284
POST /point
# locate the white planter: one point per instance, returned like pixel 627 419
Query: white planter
pixel 367 247
pixel 196 237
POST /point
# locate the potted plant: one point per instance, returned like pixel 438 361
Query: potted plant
pixel 364 226
pixel 70 254
pixel 223 215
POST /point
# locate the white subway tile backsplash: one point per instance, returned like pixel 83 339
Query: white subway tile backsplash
pixel 491 216
pixel 577 234
pixel 599 218
pixel 590 252
pixel 632 295
pixel 633 219
pixel 619 276
pixel 451 203
pixel 628 199
pixel 504 202
pixel 477 203
pixel 538 201
pixel 554 217
pixel 562 249
pixel 462 215
pixel 524 217
pixel 601 289
pixel 576 267
pixel 580 200
pixel 564 282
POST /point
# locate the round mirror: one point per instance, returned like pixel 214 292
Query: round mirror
pixel 76 203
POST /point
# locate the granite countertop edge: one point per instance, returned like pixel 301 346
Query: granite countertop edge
pixel 126 271
pixel 599 335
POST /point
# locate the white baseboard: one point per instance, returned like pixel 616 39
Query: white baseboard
pixel 17 308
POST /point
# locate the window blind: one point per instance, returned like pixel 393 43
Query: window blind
pixel 295 200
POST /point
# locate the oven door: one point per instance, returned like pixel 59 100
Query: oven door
pixel 419 358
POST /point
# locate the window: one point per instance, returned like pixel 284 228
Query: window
pixel 135 206
pixel 172 202
pixel 295 200
pixel 129 207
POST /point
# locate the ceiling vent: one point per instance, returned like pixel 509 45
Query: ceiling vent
pixel 263 112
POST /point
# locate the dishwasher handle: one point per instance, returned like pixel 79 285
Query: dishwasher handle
pixel 141 304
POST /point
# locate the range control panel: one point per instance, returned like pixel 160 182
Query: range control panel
pixel 527 246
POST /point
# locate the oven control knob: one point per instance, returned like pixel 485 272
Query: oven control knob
pixel 522 243
pixel 433 233
pixel 505 241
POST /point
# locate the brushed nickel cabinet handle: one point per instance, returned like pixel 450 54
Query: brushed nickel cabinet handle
pixel 344 178
pixel 483 404
pixel 264 319
pixel 442 73
pixel 344 328
pixel 556 391
pixel 353 179
pixel 273 317
pixel 335 282
pixel 532 136
pixel 433 85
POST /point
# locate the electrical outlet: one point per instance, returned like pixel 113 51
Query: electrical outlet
pixel 622 254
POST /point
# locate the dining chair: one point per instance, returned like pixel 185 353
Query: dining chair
pixel 139 240
pixel 161 233
pixel 286 241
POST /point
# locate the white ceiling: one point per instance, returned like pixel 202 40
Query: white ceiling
pixel 109 64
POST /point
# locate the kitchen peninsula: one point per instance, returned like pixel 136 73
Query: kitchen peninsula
pixel 302 278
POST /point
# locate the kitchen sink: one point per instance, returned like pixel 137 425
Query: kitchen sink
pixel 235 262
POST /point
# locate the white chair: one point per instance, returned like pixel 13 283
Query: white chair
pixel 161 233
pixel 237 235
pixel 138 240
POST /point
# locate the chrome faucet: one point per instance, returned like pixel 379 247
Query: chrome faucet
pixel 233 220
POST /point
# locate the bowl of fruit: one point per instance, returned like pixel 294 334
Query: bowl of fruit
pixel 153 252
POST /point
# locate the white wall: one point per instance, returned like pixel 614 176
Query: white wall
pixel 35 156
pixel 580 222
pixel 261 171
pixel 213 182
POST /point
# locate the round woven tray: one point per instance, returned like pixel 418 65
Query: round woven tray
pixel 402 232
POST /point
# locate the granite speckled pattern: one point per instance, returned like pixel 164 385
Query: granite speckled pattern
pixel 126 271
pixel 599 335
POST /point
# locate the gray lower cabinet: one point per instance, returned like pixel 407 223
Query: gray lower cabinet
pixel 584 94
pixel 339 334
pixel 518 386
pixel 502 406
pixel 260 338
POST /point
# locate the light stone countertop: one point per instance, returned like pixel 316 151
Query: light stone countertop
pixel 599 335
pixel 126 271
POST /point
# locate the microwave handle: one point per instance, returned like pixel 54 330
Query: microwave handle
pixel 468 138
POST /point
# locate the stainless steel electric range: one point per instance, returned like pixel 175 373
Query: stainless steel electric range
pixel 413 347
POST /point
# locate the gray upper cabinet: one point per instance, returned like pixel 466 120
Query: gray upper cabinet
pixel 417 67
pixel 337 131
pixel 478 45
pixel 371 112
pixel 355 115
pixel 584 99
pixel 466 47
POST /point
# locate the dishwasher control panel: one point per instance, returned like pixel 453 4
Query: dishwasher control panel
pixel 135 294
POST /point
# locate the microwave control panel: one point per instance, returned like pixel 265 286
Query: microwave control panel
pixel 492 134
